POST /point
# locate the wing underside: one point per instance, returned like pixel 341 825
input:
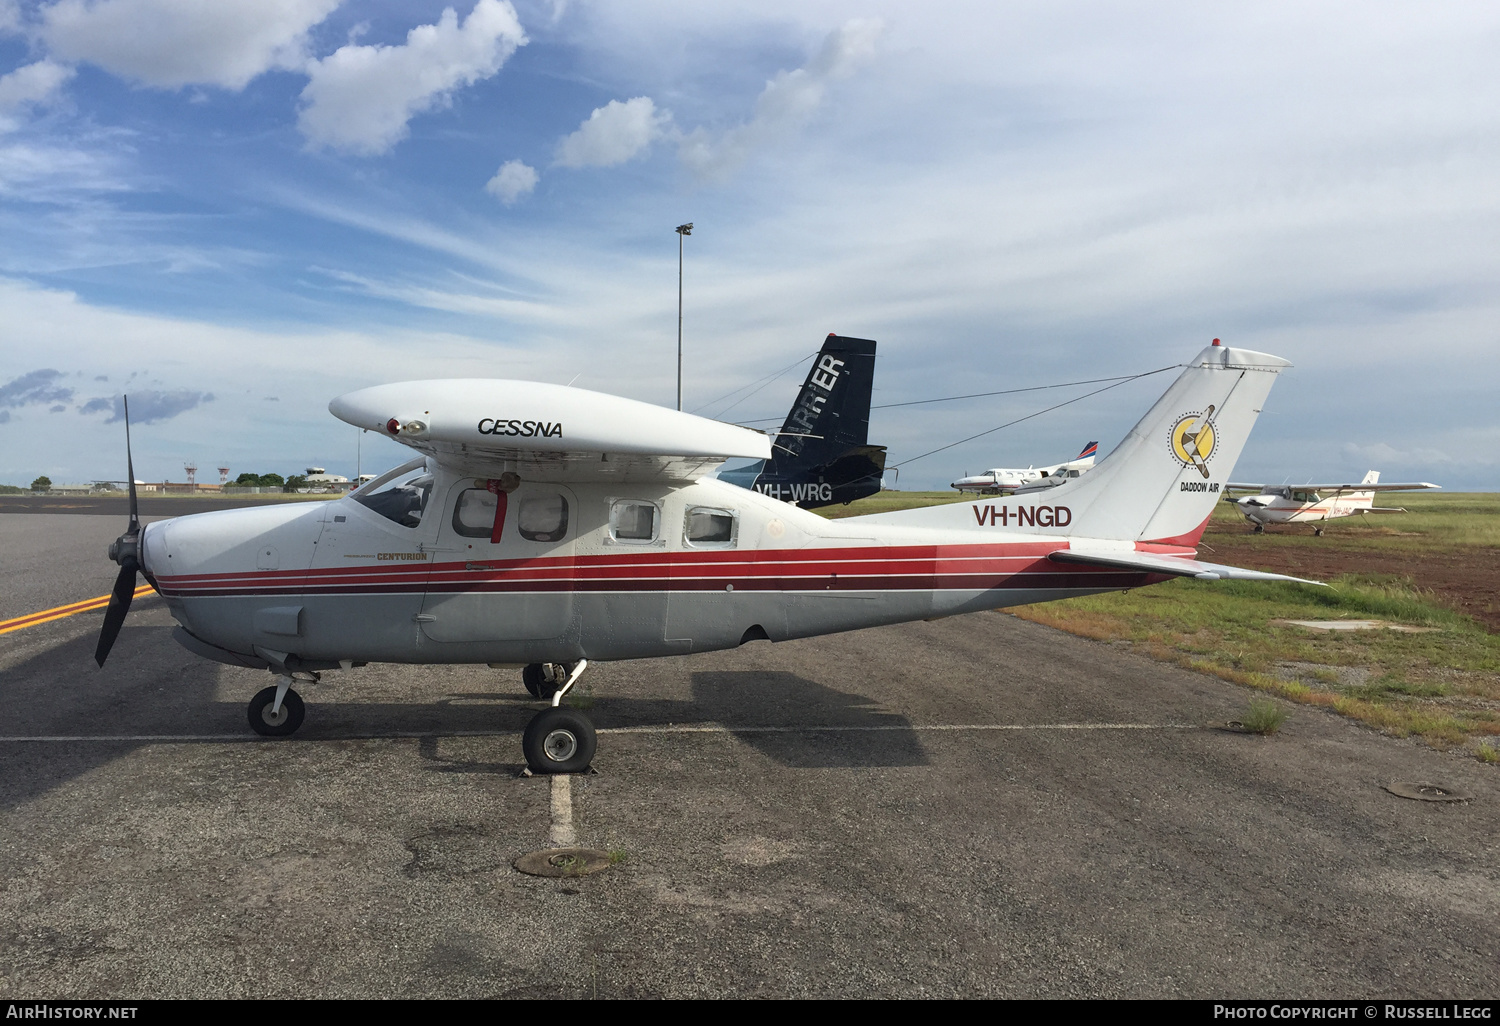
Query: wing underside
pixel 562 465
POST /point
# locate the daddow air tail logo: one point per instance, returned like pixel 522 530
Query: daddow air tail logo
pixel 1194 438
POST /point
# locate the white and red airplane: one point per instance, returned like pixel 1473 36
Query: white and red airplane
pixel 1008 479
pixel 1304 504
pixel 545 527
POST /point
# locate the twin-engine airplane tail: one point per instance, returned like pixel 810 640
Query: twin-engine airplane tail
pixel 822 455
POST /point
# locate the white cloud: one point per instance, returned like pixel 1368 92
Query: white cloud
pixel 173 43
pixel 10 16
pixel 32 84
pixel 512 181
pixel 788 100
pixel 614 134
pixel 361 97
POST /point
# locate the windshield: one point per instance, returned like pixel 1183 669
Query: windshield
pixel 399 495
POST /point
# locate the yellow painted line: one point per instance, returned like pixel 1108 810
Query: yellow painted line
pixel 58 612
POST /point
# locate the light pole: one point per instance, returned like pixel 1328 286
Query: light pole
pixel 682 230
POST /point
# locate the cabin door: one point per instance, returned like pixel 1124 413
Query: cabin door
pixel 502 568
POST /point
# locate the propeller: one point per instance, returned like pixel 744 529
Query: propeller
pixel 125 550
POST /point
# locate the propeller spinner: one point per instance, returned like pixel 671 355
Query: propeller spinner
pixel 125 550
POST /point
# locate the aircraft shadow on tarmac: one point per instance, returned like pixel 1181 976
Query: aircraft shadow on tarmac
pixel 153 688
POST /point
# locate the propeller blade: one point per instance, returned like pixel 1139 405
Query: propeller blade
pixel 135 519
pixel 126 552
pixel 114 616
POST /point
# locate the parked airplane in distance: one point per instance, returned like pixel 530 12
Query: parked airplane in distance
pixel 1303 504
pixel 820 456
pixel 1008 479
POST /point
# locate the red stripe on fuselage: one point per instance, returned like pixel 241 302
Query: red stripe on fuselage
pixel 854 568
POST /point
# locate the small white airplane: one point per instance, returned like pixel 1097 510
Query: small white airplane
pixel 1008 479
pixel 543 527
pixel 1304 504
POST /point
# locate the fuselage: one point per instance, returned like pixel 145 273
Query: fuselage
pixel 579 570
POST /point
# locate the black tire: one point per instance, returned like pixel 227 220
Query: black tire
pixel 1260 528
pixel 533 677
pixel 284 725
pixel 559 741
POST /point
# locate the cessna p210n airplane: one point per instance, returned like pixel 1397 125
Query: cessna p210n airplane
pixel 1303 504
pixel 545 527
pixel 1008 479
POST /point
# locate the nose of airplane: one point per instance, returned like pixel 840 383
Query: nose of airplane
pixel 213 550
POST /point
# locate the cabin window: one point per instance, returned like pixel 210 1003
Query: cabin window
pixel 400 495
pixel 474 514
pixel 633 521
pixel 710 528
pixel 543 518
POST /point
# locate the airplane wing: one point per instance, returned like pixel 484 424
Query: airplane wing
pixel 1179 566
pixel 1346 487
pixel 546 432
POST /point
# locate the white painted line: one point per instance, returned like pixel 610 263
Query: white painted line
pixel 667 729
pixel 716 729
pixel 561 834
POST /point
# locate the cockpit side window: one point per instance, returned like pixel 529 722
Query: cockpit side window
pixel 401 495
pixel 474 513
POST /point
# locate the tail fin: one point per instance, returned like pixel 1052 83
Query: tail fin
pixel 832 412
pixel 821 455
pixel 1365 498
pixel 1092 449
pixel 1161 482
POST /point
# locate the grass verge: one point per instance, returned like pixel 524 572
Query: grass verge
pixel 1442 685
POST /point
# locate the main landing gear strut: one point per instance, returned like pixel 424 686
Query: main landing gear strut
pixel 557 740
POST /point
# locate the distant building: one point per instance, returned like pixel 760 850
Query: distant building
pixel 319 480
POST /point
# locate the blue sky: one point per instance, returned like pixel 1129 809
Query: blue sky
pixel 236 211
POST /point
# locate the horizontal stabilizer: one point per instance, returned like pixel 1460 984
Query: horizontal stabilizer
pixel 1179 566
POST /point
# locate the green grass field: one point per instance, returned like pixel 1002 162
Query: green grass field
pixel 1440 683
pixel 1434 521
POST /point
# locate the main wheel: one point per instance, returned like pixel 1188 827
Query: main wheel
pixel 559 741
pixel 1317 532
pixel 1260 528
pixel 281 724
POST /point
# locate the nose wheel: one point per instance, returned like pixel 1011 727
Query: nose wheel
pixel 270 718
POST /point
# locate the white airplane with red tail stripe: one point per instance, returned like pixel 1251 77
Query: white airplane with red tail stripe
pixel 544 528
pixel 1008 479
pixel 1306 504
